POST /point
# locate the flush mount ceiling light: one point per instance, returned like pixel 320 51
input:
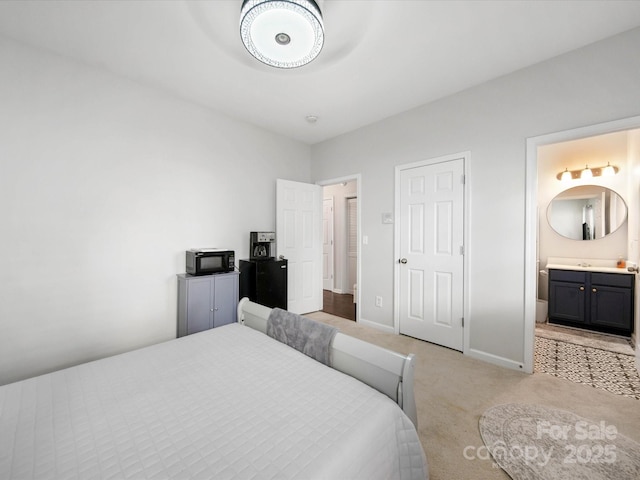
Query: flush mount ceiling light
pixel 587 172
pixel 282 33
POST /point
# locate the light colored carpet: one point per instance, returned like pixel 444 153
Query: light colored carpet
pixel 534 442
pixel 454 390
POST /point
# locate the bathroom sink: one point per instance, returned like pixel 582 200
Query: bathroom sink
pixel 585 264
pixel 587 267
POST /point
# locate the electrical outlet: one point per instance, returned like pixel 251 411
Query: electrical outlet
pixel 378 301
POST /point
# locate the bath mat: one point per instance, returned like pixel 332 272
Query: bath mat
pixel 536 442
pixel 602 369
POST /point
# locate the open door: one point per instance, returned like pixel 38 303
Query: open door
pixel 633 254
pixel 299 240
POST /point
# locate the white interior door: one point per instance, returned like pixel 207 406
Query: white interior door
pixel 633 254
pixel 299 240
pixel 431 263
pixel 327 244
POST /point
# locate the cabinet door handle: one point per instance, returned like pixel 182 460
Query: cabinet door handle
pixel 582 288
pixel 594 290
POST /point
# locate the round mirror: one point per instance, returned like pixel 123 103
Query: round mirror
pixel 587 212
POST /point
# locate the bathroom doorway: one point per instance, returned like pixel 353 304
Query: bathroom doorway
pixel 341 247
pixel 547 157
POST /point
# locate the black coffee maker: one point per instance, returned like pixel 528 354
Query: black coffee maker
pixel 262 245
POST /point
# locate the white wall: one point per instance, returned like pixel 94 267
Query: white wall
pixel 588 86
pixel 103 185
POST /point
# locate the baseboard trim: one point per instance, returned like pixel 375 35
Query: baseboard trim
pixel 495 360
pixel 376 325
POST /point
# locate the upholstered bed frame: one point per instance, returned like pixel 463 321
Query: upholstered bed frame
pixel 388 372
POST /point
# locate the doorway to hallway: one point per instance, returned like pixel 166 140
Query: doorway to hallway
pixel 341 246
pixel 339 304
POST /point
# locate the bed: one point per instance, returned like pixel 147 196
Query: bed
pixel 230 402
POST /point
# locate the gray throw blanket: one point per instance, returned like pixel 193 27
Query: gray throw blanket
pixel 305 335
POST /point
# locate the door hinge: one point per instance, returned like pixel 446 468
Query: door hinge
pixel 461 249
pixel 463 179
pixel 462 322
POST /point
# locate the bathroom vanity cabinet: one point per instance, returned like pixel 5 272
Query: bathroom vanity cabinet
pixel 592 300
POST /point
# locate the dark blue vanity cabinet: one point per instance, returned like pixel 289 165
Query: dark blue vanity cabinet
pixel 567 297
pixel 206 301
pixel 593 300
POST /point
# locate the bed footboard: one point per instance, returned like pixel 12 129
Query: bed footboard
pixel 388 372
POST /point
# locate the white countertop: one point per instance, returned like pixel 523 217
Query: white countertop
pixel 585 267
pixel 603 265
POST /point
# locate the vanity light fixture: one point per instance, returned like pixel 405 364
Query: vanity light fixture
pixel 587 172
pixel 282 33
pixel 608 171
pixel 565 176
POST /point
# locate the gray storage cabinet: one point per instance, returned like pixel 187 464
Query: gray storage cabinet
pixel 206 301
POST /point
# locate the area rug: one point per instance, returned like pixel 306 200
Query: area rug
pixel 603 341
pixel 536 442
pixel 612 371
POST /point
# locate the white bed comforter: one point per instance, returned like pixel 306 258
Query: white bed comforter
pixel 226 403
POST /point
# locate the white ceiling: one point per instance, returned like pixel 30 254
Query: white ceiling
pixel 380 57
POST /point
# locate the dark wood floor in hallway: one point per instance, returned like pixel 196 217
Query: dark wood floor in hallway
pixel 339 304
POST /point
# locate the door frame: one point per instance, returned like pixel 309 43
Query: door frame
pixel 465 156
pixel 531 219
pixel 357 177
pixel 346 213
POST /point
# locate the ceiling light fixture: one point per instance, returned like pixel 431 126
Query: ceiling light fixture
pixel 587 172
pixel 282 33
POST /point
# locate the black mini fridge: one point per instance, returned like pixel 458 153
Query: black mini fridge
pixel 264 282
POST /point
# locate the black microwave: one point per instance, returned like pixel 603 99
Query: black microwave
pixel 205 261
